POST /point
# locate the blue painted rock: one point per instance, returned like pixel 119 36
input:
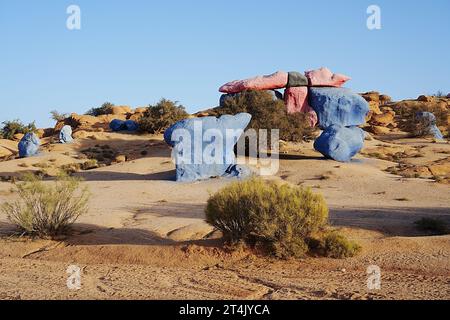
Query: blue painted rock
pixel 121 125
pixel 131 125
pixel 117 125
pixel 28 145
pixel 340 143
pixel 428 120
pixel 204 147
pixel 65 135
pixel 276 95
pixel 338 106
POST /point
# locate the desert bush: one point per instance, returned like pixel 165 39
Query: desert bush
pixel 418 127
pixel 435 226
pixel 104 109
pixel 46 209
pixel 278 218
pixel 336 245
pixel 10 128
pixel 268 113
pixel 57 116
pixel 439 94
pixel 159 117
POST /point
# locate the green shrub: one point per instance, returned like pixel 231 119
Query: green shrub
pixel 57 116
pixel 161 116
pixel 435 226
pixel 268 113
pixel 46 209
pixel 278 218
pixel 104 109
pixel 10 128
pixel 336 245
pixel 408 121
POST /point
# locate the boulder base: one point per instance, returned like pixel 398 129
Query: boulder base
pixel 296 100
pixel 340 143
pixel 202 149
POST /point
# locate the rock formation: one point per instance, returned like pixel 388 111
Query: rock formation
pixel 65 135
pixel 318 93
pixel 29 145
pixel 204 147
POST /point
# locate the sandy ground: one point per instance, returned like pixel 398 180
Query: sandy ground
pixel 144 236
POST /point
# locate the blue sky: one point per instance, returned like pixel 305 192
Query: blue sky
pixel 136 52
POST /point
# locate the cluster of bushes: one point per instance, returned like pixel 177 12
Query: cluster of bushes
pixel 418 127
pixel 269 113
pixel 58 116
pixel 160 116
pixel 46 210
pixel 11 128
pixel 282 220
pixel 104 109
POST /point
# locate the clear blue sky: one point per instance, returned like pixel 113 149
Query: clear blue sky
pixel 135 52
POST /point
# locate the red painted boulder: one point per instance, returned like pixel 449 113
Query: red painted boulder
pixel 296 99
pixel 323 77
pixel 276 80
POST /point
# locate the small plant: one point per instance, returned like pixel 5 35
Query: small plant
pixel 104 109
pixel 159 117
pixel 269 113
pixel 11 128
pixel 90 164
pixel 278 218
pixel 46 210
pixel 439 94
pixel 57 116
pixel 336 245
pixel 435 226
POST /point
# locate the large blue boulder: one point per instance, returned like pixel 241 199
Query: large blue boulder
pixel 338 106
pixel 428 120
pixel 29 145
pixel 65 135
pixel 131 125
pixel 117 125
pixel 276 95
pixel 340 143
pixel 121 125
pixel 204 147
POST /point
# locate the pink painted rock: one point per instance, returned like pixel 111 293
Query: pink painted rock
pixel 276 80
pixel 296 99
pixel 323 77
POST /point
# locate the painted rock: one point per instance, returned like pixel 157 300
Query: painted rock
pixel 340 143
pixel 204 147
pixel 323 77
pixel 29 145
pixel 296 100
pixel 65 135
pixel 296 79
pixel 338 106
pixel 276 80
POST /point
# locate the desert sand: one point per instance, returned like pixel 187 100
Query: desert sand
pixel 145 237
